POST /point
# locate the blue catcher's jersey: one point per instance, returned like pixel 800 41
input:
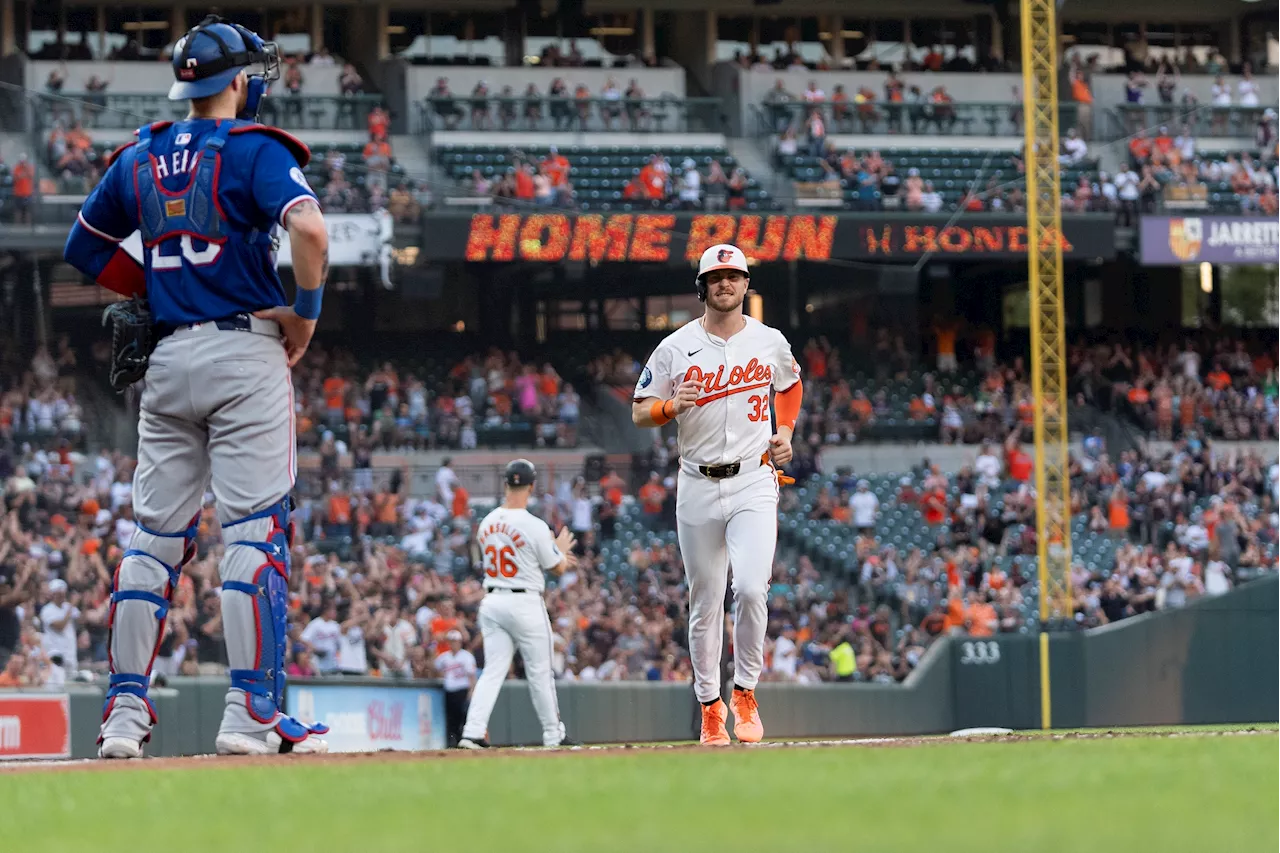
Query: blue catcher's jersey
pixel 206 195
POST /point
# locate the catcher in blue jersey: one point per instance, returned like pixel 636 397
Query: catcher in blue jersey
pixel 210 330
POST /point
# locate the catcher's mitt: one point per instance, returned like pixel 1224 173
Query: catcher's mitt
pixel 132 340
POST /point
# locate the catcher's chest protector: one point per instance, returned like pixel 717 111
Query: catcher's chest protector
pixel 191 212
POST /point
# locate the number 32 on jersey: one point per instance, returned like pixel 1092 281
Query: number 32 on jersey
pixel 498 561
pixel 758 407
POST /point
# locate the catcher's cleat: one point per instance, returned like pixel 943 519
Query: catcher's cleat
pixel 468 743
pixel 237 743
pixel 119 747
pixel 713 730
pixel 746 715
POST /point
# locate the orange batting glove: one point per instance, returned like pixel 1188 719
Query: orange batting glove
pixel 783 479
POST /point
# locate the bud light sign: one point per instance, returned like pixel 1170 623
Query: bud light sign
pixel 369 719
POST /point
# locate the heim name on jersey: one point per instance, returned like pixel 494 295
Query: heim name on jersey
pixel 516 547
pixel 178 161
pixel 731 419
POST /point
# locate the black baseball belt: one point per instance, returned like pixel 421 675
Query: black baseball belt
pixel 513 590
pixel 727 469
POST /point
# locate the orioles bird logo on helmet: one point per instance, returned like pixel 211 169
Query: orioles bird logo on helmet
pixel 724 255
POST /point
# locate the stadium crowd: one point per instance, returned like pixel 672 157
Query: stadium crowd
pixel 562 107
pixel 1216 385
pixel 37 397
pixel 382 577
pixel 382 407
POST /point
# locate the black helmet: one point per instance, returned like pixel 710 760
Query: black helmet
pixel 520 472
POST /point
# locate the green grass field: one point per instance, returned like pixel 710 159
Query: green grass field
pixel 1041 795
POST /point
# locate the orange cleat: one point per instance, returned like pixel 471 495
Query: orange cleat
pixel 746 715
pixel 713 731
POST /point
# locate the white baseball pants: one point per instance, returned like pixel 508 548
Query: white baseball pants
pixel 723 523
pixel 510 621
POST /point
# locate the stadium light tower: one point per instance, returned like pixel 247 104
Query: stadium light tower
pixel 1048 359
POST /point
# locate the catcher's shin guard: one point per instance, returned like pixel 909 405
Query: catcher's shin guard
pixel 141 592
pixel 256 622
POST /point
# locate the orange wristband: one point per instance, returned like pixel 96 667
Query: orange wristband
pixel 658 411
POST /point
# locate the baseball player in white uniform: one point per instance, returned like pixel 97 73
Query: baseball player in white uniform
pixel 714 378
pixel 516 548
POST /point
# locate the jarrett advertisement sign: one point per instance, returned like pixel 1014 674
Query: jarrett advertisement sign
pixel 1178 240
pixel 681 238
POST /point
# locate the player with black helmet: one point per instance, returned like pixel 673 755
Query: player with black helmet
pixel 516 547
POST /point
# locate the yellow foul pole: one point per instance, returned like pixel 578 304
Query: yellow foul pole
pixel 1048 357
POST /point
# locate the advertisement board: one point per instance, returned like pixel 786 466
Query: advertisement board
pixel 676 238
pixel 34 725
pixel 1179 240
pixel 371 718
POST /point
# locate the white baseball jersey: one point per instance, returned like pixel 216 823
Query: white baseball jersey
pixel 731 420
pixel 456 669
pixel 516 547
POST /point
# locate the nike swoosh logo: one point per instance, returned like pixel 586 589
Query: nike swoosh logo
pixel 692 354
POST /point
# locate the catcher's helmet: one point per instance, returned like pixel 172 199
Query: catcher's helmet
pixel 719 257
pixel 212 53
pixel 520 472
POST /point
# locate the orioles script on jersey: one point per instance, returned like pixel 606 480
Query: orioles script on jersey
pixel 502 529
pixel 754 375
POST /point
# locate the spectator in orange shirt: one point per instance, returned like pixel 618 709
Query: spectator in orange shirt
pixel 445 620
pixel 24 185
pixel 1016 461
pixel 815 360
pixel 556 167
pixel 524 181
pixel 1140 148
pixel 652 496
pixel 386 509
pixel 634 189
pixel 980 617
pixel 379 123
pixel 338 517
pixel 461 503
pixel 377 162
pixel 1118 511
pixel 1082 94
pixel 1218 379
pixel 935 506
pixel 945 336
pixel 335 392
pixel 918 409
pixel 611 486
pixel 549 382
pixel 502 404
pixel 954 617
pixel 861 408
pixel 653 183
pixel 12 675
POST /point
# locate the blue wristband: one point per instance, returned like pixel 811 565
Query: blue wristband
pixel 306 303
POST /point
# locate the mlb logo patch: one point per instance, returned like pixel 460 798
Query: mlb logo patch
pixel 182 139
pixel 175 207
